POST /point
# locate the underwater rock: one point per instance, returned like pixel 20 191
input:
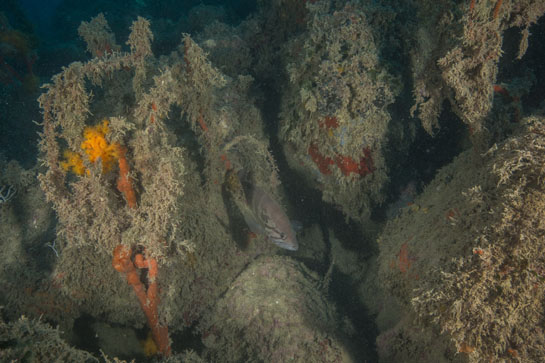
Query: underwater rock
pixel 36 341
pixel 273 312
pixel 468 262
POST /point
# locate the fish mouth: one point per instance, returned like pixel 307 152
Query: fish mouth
pixel 286 245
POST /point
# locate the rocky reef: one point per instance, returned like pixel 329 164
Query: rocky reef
pixel 408 139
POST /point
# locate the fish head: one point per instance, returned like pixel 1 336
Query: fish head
pixel 285 239
pixel 269 218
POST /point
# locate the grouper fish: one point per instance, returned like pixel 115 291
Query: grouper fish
pixel 264 215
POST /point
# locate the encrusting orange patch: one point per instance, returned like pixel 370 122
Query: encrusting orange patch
pixel 73 162
pixel 404 261
pixel 95 146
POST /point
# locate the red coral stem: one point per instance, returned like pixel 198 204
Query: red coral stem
pixel 148 298
pixel 497 9
pixel 124 184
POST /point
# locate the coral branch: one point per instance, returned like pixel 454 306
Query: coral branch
pixel 149 299
pixel 497 9
pixel 124 184
pixel 204 128
pixel 202 123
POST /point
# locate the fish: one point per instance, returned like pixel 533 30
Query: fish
pixel 269 219
pixel 264 215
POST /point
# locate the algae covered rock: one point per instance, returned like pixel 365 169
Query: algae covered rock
pixel 456 57
pixel 273 312
pixel 35 341
pixel 335 117
pixel 469 261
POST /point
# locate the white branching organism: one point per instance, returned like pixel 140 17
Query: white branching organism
pixel 6 193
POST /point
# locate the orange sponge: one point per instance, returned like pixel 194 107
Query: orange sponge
pixel 96 146
pixel 73 161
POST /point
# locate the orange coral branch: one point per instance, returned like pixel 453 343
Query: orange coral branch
pixel 227 162
pixel 124 184
pixel 202 123
pixel 404 260
pixel 497 9
pixel 149 299
pixel 204 128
